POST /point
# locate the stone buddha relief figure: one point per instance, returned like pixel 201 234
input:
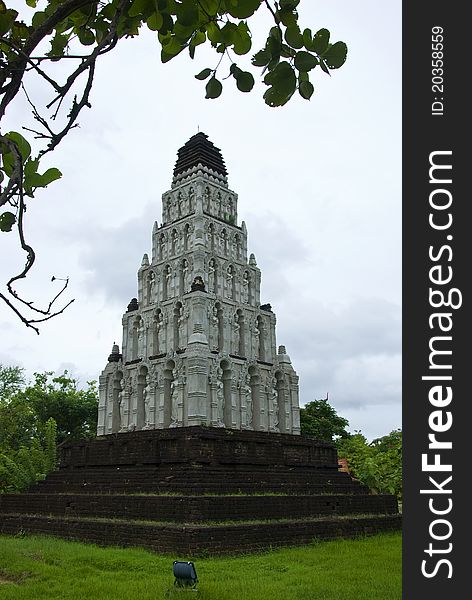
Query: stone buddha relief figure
pixel 220 397
pixel 245 288
pixel 191 199
pixel 185 276
pixel 206 200
pixel 174 402
pixel 257 336
pixel 212 276
pixel 147 404
pixel 151 287
pixel 274 403
pixel 236 334
pixel 141 341
pixel 248 399
pixel 229 282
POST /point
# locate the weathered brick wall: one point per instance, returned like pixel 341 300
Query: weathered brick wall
pixel 104 479
pixel 190 541
pixel 188 509
pixel 197 444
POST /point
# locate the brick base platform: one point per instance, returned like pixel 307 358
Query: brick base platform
pixel 195 489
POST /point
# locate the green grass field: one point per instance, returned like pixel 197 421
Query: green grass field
pixel 35 568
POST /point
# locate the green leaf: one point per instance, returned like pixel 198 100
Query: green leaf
pixel 287 52
pixel 287 17
pixel 168 24
pixel 22 144
pixel 302 76
pixel 336 55
pixel 199 37
pixel 203 74
pixel 31 166
pixel 306 89
pixel 49 176
pixel 187 12
pixel 29 173
pixel 7 220
pixel 242 40
pixel 243 8
pixel 308 39
pixel 244 81
pixel 324 67
pixel 171 49
pixel 213 32
pixel 31 3
pixel 293 37
pixel 283 76
pixel 275 34
pixel 304 61
pixel 261 58
pixel 155 21
pixel 291 4
pixel 19 31
pixel 320 41
pixel 283 82
pixel 6 21
pixel 38 19
pixel 210 7
pixel 228 33
pixel 86 36
pixel 213 88
pixel 58 44
pixel 274 97
pixel 141 7
pixel 101 30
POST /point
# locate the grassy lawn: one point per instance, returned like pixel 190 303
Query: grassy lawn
pixel 34 568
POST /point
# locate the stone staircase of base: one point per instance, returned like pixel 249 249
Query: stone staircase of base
pixel 199 490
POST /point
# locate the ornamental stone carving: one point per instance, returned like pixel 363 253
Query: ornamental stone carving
pixel 206 353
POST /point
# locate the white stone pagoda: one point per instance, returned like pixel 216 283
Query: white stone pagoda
pixel 198 347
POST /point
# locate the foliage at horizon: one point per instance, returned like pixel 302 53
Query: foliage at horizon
pixel 35 419
pixel 320 420
pixel 378 464
pixel 79 32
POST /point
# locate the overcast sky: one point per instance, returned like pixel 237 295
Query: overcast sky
pixel 319 188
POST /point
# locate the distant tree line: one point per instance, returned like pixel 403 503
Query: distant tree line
pixel 377 464
pixel 35 419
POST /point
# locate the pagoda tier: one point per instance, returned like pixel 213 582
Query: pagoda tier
pixel 198 348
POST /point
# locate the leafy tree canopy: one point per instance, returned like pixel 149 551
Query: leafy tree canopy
pixel 24 415
pixel 27 440
pixel 320 420
pixel 74 410
pixel 78 32
pixel 12 380
pixel 378 464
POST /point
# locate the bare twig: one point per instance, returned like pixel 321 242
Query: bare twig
pixel 11 82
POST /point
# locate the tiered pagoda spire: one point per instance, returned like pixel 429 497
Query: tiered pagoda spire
pixel 198 347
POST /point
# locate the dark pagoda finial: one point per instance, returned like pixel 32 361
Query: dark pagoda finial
pixel 199 150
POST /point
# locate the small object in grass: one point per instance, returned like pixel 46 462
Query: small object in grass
pixel 185 574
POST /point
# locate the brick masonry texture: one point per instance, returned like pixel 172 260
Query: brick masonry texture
pixel 194 540
pixel 97 493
